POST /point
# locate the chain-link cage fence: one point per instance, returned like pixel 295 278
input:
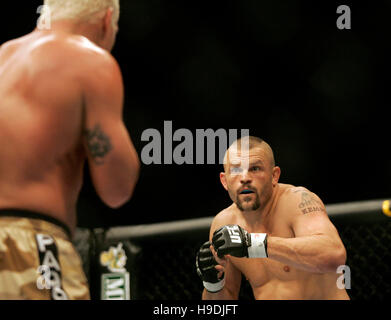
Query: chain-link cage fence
pixel 161 263
pixel 169 272
pixel 368 257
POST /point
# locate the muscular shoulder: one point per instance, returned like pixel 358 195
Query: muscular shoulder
pixel 99 68
pixel 7 48
pixel 91 56
pixel 224 217
pixel 299 200
pixel 73 54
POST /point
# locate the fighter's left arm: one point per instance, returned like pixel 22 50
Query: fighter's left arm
pixel 316 246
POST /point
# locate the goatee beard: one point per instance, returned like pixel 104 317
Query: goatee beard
pixel 255 206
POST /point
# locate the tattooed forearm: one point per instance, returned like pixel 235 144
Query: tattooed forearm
pixel 98 143
pixel 310 204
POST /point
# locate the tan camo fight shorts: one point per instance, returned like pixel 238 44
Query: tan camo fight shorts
pixel 39 262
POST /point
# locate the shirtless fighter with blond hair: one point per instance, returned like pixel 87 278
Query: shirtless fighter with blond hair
pixel 61 105
pixel 277 235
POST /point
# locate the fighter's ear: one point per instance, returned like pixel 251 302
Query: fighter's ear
pixel 276 175
pixel 223 180
pixel 108 18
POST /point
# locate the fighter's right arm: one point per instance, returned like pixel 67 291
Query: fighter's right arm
pixel 232 275
pixel 113 161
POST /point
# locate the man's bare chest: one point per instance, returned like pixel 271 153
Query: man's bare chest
pixel 262 270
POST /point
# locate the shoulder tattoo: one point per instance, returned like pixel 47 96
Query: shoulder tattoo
pixel 309 203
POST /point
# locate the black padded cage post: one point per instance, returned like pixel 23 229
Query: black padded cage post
pixel 161 257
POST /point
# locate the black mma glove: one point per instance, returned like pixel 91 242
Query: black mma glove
pixel 237 242
pixel 205 263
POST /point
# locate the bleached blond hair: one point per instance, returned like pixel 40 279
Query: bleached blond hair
pixel 84 10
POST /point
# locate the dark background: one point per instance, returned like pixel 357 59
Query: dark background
pixel 282 69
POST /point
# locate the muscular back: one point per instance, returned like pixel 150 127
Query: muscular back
pixel 41 115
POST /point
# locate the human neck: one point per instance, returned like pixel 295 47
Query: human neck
pixel 73 27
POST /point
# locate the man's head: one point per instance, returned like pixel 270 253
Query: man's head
pixel 103 15
pixel 250 173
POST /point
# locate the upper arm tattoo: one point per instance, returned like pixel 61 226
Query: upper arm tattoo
pixel 98 143
pixel 310 203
